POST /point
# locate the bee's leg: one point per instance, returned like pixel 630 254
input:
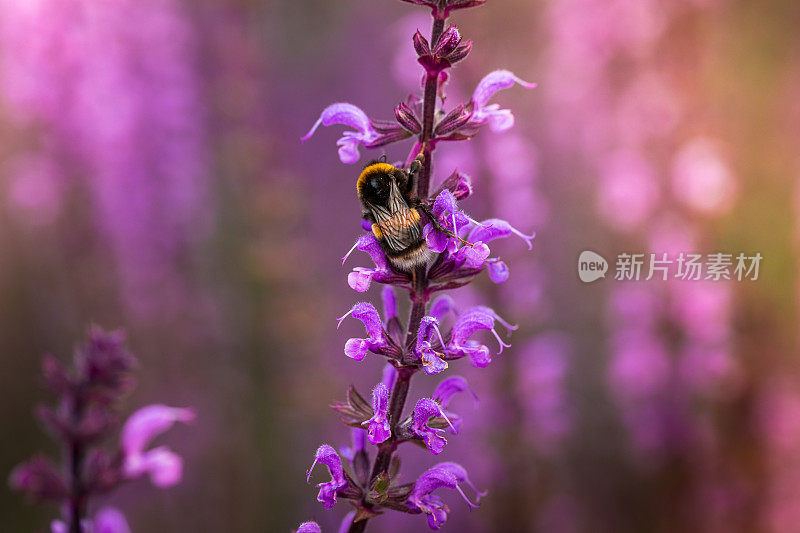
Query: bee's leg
pixel 415 167
pixel 425 209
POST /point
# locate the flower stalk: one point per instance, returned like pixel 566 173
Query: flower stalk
pixel 437 332
pixel 85 416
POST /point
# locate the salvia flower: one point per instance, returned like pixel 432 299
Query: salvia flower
pixel 454 251
pixel 377 340
pixel 447 475
pixel 499 120
pixel 367 132
pixel 427 335
pixel 163 465
pixel 361 277
pixel 353 117
pixel 450 217
pixel 378 426
pixel 475 319
pixel 420 426
pixel 327 491
pixel 85 417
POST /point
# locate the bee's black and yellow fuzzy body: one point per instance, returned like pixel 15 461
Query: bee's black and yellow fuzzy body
pixel 386 192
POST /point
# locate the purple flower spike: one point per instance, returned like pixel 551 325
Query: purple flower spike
pixel 357 348
pixel 499 119
pixel 447 475
pixel 431 361
pixel 327 491
pixel 423 411
pixel 353 117
pixel 468 323
pixel 378 426
pixel 309 527
pixel 164 467
pixel 495 228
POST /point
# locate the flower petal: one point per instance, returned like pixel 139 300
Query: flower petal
pixel 498 271
pixel 341 113
pixel 356 349
pixel 496 81
pixel 449 387
pixel 149 422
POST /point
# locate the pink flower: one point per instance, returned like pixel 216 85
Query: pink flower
pixel 164 466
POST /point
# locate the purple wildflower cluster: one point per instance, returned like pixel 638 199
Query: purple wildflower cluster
pixel 436 332
pixel 83 418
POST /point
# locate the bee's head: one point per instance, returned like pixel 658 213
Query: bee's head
pixel 375 183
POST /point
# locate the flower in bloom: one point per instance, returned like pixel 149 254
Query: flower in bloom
pixel 361 277
pixel 377 341
pixel 467 259
pixel 469 322
pixel 353 117
pixel 164 466
pixel 449 216
pixel 107 520
pixel 423 411
pixel 429 357
pixel 446 390
pixel 327 491
pixel 447 475
pixel 499 120
pixel 368 132
pixel 378 426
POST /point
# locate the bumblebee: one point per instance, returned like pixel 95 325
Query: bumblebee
pixel 388 200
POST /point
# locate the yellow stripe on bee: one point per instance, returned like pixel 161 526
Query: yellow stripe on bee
pixel 385 168
pixel 414 214
pixel 376 230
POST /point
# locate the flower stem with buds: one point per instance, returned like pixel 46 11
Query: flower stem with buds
pixel 419 295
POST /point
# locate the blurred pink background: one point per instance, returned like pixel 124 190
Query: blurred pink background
pixel 152 178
